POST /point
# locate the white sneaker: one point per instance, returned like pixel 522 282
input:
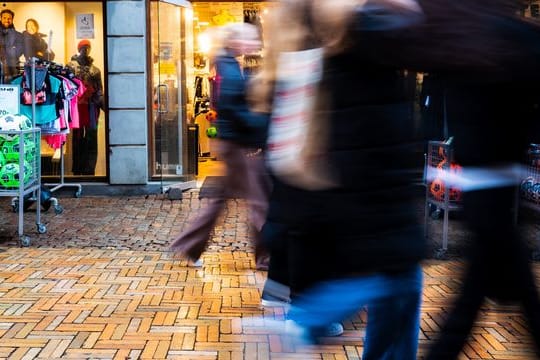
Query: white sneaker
pixel 302 334
pixel 198 263
pixel 334 329
pixel 268 300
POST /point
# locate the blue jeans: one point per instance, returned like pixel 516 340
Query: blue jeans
pixel 393 302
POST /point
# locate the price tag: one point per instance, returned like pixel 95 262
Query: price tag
pixel 9 99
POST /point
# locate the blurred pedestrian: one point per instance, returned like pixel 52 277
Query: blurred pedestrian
pixel 241 135
pixel 357 243
pixel 486 62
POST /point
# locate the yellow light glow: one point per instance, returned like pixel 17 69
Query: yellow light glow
pixel 204 43
pixel 189 14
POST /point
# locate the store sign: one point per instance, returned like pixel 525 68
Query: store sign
pixel 9 99
pixel 85 26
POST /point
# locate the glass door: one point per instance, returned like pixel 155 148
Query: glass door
pixel 171 23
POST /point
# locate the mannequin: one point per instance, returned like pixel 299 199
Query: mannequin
pixel 34 42
pixel 89 104
pixel 11 45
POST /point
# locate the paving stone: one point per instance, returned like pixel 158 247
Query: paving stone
pixel 101 284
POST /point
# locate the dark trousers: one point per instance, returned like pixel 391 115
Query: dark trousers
pixel 499 268
pixel 85 151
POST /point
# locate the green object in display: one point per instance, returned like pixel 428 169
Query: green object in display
pixel 211 132
pixel 9 175
pixel 10 149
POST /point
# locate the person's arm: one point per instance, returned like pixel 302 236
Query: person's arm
pixel 19 44
pixel 384 15
pixel 232 102
pixel 28 46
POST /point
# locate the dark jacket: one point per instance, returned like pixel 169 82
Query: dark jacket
pixel 235 121
pixel 35 45
pixel 11 49
pixel 370 223
pixel 485 59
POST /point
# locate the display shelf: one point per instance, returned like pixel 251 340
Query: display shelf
pixel 438 161
pixel 20 173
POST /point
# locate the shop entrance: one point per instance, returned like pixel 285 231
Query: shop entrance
pixel 171 36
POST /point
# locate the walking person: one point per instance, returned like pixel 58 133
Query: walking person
pixel 241 135
pixel 487 64
pixel 357 243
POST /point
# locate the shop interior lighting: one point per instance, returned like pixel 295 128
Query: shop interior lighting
pixel 203 40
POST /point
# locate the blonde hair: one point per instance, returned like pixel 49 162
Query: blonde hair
pixel 238 31
pixel 286 29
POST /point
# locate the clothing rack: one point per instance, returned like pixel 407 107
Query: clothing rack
pixel 56 186
pixel 31 187
pixel 52 200
pixel 62 183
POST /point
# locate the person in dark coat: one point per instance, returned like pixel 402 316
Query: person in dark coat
pixel 34 42
pixel 359 243
pixel 487 65
pixel 11 45
pixel 241 135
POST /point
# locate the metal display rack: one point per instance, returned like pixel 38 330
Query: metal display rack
pixel 529 189
pixel 530 186
pixel 62 183
pixel 26 175
pixel 439 197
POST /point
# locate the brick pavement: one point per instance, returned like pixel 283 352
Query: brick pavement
pixel 100 285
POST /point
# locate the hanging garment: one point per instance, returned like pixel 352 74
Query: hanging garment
pixel 46 111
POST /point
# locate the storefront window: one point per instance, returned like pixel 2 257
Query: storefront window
pixel 208 18
pixel 171 49
pixel 67 38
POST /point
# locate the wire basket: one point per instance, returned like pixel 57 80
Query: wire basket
pixel 530 186
pixel 439 160
pixel 19 160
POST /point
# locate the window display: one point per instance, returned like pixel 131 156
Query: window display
pixel 89 106
pixel 209 18
pixel 69 85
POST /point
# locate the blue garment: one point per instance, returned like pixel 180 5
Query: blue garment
pixel 393 302
pixel 236 122
pixel 393 328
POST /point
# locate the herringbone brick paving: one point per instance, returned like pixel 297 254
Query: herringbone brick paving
pixel 100 285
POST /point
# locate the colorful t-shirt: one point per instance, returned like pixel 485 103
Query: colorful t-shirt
pixel 44 112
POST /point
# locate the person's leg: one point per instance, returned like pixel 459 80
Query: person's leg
pixel 394 321
pixel 393 327
pixel 257 194
pixel 76 139
pixel 335 300
pixel 192 242
pixel 278 269
pixel 92 151
pixel 530 301
pixel 276 286
pixel 483 218
pixel 275 234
